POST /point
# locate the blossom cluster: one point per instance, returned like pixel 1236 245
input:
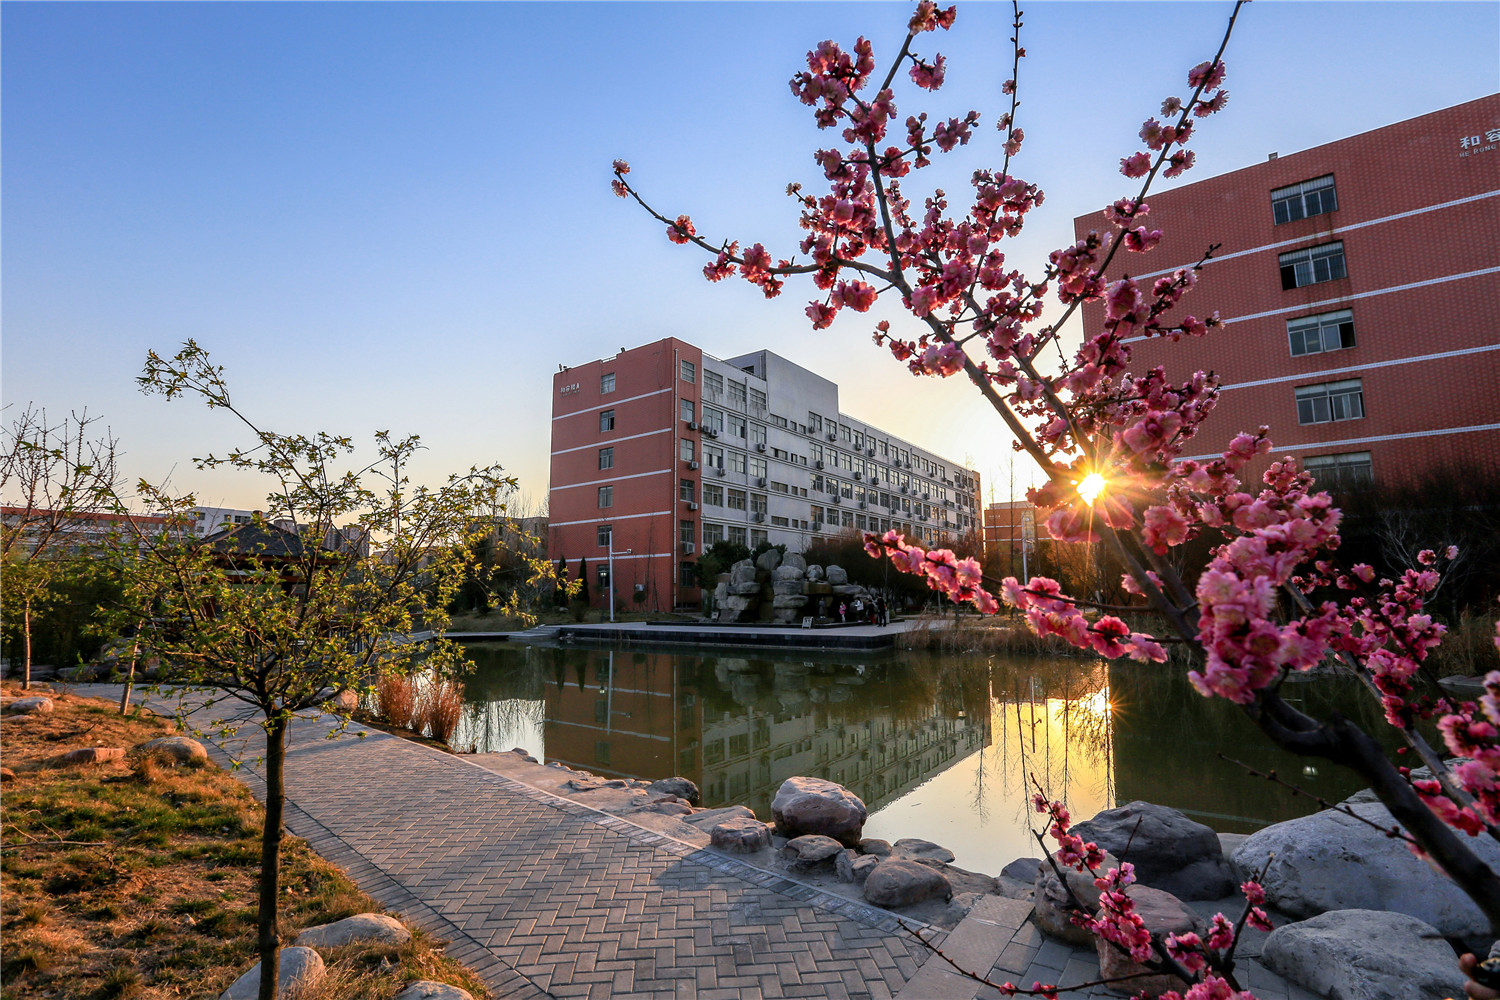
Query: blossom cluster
pixel 959 579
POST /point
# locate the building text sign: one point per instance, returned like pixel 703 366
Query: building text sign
pixel 1477 142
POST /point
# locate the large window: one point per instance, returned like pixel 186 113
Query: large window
pixel 689 371
pixel 687 574
pixel 1341 472
pixel 606 420
pixel 606 458
pixel 685 449
pixel 685 409
pixel 1327 401
pixel 737 395
pixel 713 456
pixel 712 533
pixel 606 496
pixel 688 490
pixel 736 461
pixel 713 419
pixel 686 532
pixel 758 467
pixel 737 534
pixel 606 383
pixel 603 534
pixel 713 384
pixel 1300 201
pixel 736 425
pixel 1312 265
pixel 735 499
pixel 713 494
pixel 1322 333
pixel 757 433
pixel 757 401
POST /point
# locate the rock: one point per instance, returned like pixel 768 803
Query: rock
pixel 898 882
pixel 521 753
pixel 678 786
pixel 742 572
pixel 1022 869
pixel 362 928
pixel 707 819
pixel 1054 906
pixel 794 560
pixel 1163 914
pixel 788 574
pixel 669 807
pixel 1330 861
pixel 915 849
pixel 814 573
pixel 789 601
pixel 743 590
pixel 876 846
pixel 86 755
pixel 768 560
pixel 740 835
pixel 26 706
pixel 6 774
pixel 180 749
pixel 1169 851
pixel 812 805
pixel 344 702
pixel 1364 955
pixel 810 850
pixel 852 867
pixel 298 968
pixel 836 575
pixel 426 989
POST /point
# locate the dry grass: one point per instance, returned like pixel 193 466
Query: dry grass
pixel 442 706
pixel 971 634
pixel 138 879
pixel 396 699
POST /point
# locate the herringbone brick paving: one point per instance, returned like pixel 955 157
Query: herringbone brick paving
pixel 544 897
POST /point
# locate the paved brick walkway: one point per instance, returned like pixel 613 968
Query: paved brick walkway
pixel 545 897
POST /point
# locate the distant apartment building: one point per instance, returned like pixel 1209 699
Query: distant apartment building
pixel 1360 286
pixel 58 533
pixel 664 450
pixel 208 520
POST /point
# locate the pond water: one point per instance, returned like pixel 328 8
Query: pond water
pixel 939 746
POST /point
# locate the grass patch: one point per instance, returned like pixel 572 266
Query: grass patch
pixel 138 880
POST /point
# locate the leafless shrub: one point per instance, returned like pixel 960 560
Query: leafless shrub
pixel 396 698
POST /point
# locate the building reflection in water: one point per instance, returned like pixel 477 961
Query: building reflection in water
pixel 939 747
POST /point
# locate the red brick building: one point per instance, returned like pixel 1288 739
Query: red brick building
pixel 1360 285
pixel 666 450
pixel 1009 536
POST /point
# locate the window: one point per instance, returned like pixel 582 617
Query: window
pixel 687 490
pixel 1318 334
pixel 814 423
pixel 779 488
pixel 606 458
pixel 685 449
pixel 737 461
pixel 859 440
pixel 845 433
pixel 689 371
pixel 687 575
pixel 1301 201
pixel 736 425
pixel 713 419
pixel 1341 472
pixel 713 456
pixel 713 493
pixel 758 536
pixel 735 499
pixel 757 503
pixel 757 433
pixel 737 395
pixel 815 452
pixel 713 384
pixel 603 534
pixel 712 534
pixel 778 522
pixel 1319 404
pixel 737 534
pixel 1312 265
pixel 606 383
pixel 606 420
pixel 685 532
pixel 758 467
pixel 685 410
pixel 606 496
pixel 757 401
pixel 602 576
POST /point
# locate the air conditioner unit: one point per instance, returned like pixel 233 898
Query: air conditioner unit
pixel 908 465
pixel 760 446
pixel 688 548
pixel 859 475
pixel 760 481
pixel 692 506
pixel 692 465
pixel 837 498
pixel 862 505
pixel 921 517
pixel 926 496
pixel 758 517
pixel 870 452
pixel 817 526
pixel 718 470
pixel 713 434
pixel 692 425
pixel 903 489
pixel 833 435
pixel 818 464
pixel 947 503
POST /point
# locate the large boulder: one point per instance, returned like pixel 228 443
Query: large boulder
pixel 1330 861
pixel 362 928
pixel 788 574
pixel 854 867
pixel 683 788
pixel 813 805
pixel 86 755
pixel 796 561
pixel 899 882
pixel 810 850
pixel 740 835
pixel 1163 914
pixel 916 850
pixel 28 706
pixel 179 749
pixel 814 573
pixel 768 561
pixel 1169 851
pixel 1054 906
pixel 1364 955
pixel 297 969
pixel 742 572
pixel 836 575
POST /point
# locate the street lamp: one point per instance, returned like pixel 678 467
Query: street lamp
pixel 612 554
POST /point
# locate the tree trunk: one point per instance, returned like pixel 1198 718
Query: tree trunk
pixel 135 648
pixel 270 858
pixel 26 642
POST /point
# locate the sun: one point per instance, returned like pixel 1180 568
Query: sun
pixel 1090 486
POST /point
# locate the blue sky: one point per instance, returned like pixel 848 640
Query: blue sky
pixel 398 215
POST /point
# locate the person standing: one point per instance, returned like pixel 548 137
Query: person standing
pixel 843 610
pixel 881 612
